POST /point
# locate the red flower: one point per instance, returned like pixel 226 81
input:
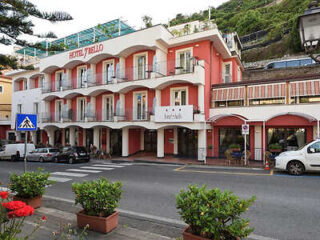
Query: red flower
pixel 22 212
pixel 4 195
pixel 14 205
pixel 44 218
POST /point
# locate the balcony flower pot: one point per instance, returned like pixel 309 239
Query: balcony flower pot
pixel 35 202
pixel 97 224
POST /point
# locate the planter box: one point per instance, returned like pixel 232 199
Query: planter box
pixel 189 236
pixel 235 149
pixel 275 150
pixel 33 202
pixel 98 224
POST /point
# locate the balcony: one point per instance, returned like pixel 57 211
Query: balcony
pixel 157 70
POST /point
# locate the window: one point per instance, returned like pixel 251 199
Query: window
pixel 82 76
pixel 140 106
pixel 19 108
pixel 59 77
pixel 108 71
pixel 179 97
pixel 290 139
pixel 25 85
pixel 108 108
pixel 81 109
pixel 184 61
pixel 36 108
pixel 227 77
pixel 267 101
pixel 305 99
pixel 59 111
pixel 230 103
pixel 1 89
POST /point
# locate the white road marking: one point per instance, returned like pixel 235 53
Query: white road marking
pixel 58 179
pixel 69 174
pixel 98 168
pixel 119 164
pixel 83 170
pixel 107 165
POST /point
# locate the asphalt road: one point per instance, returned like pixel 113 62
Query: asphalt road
pixel 287 207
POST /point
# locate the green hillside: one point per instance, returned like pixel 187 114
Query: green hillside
pixel 277 17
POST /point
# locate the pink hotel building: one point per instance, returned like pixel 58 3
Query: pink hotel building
pixel 167 91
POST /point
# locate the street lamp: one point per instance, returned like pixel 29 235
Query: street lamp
pixel 309 28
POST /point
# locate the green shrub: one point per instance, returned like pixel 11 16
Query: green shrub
pixel 234 145
pixel 30 184
pixel 275 146
pixel 98 198
pixel 213 214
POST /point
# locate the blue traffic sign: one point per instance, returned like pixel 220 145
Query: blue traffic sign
pixel 26 122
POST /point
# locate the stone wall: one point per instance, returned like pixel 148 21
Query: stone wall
pixel 284 73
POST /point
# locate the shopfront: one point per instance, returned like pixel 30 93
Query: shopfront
pixel 116 142
pixel 229 136
pixel 150 141
pixel 289 139
pixel 187 143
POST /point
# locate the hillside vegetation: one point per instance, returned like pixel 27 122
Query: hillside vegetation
pixel 277 17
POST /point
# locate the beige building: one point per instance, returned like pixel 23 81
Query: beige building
pixel 5 106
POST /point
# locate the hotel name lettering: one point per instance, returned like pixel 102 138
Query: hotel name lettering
pixel 84 52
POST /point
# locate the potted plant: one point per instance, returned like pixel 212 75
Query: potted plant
pixel 99 200
pixel 29 187
pixel 212 214
pixel 234 147
pixel 275 147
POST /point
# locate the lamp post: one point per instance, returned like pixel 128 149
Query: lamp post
pixel 309 29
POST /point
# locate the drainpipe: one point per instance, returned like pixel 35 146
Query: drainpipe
pixel 263 142
pixel 318 129
pixel 245 147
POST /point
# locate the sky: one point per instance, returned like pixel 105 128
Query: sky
pixel 87 14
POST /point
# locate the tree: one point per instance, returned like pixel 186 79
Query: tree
pixel 15 21
pixel 147 20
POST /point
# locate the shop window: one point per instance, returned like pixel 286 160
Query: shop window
pixel 267 101
pixel 289 139
pixel 228 136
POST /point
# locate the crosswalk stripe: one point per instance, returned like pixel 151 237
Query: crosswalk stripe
pixel 118 164
pixel 69 174
pixel 98 168
pixel 83 170
pixel 107 165
pixel 58 179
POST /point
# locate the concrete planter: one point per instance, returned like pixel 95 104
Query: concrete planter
pixel 98 224
pixel 189 236
pixel 35 202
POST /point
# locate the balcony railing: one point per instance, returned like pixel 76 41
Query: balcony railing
pixel 142 72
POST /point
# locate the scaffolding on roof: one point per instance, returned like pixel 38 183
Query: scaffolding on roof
pixel 86 37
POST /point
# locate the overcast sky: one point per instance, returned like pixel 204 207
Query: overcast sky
pixel 87 14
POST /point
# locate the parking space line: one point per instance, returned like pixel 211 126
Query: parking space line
pixel 69 174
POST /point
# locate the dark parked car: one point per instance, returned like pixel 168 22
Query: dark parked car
pixel 72 155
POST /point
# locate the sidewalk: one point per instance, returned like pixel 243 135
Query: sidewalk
pixel 58 219
pixel 144 157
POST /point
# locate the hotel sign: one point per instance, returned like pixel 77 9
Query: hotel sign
pixel 84 52
pixel 174 114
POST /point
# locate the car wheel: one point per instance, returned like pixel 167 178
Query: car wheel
pixel 70 160
pixel 41 159
pixel 295 168
pixel 56 160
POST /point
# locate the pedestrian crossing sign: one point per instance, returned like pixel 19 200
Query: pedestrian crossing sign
pixel 26 122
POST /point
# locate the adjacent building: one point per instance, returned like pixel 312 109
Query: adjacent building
pixel 5 108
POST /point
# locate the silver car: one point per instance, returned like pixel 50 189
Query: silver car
pixel 43 154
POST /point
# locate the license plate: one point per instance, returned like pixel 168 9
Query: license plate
pixel 82 154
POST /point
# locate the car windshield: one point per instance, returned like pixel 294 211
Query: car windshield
pixel 54 150
pixel 80 149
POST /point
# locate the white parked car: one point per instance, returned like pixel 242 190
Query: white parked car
pixel 10 150
pixel 306 158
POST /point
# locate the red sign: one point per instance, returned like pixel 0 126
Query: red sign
pixel 86 51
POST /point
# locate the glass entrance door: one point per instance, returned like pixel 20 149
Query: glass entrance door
pixel 187 142
pixel 82 109
pixel 115 142
pixel 59 111
pixel 150 141
pixel 82 77
pixel 109 69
